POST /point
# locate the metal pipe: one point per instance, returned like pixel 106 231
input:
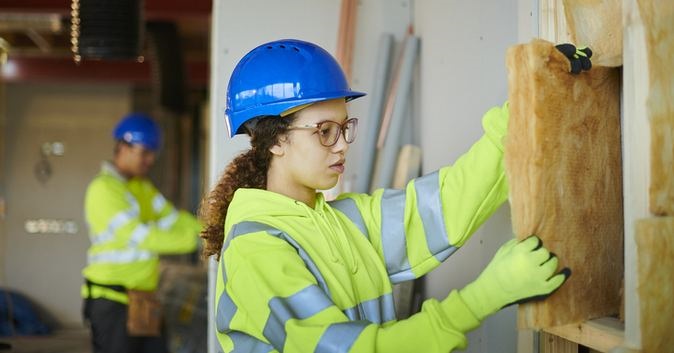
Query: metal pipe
pixel 373 122
pixel 387 154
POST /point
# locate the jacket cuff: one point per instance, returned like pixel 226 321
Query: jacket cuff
pixel 457 314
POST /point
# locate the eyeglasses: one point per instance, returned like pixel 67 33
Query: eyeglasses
pixel 329 131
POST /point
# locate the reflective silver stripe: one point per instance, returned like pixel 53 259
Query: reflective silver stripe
pixel 379 310
pixel 168 221
pixel 120 256
pixel 301 305
pixel 139 234
pixel 443 255
pixel 226 307
pixel 352 313
pixel 393 231
pixel 118 221
pixel 338 338
pixel 429 206
pixel 133 202
pixel 253 227
pixel 226 311
pixel 403 276
pixel 158 203
pixel 349 208
pixel 244 343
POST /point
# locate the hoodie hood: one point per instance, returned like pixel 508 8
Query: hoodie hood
pixel 284 213
pixel 248 204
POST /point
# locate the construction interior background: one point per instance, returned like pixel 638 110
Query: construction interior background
pixel 431 68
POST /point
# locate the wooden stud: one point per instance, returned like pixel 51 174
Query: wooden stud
pixel 601 334
pixel 550 343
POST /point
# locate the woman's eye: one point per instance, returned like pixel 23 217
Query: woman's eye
pixel 324 131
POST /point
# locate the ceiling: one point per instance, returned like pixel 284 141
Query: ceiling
pixel 37 33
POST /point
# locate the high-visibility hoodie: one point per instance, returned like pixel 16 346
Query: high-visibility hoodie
pixel 130 224
pixel 292 278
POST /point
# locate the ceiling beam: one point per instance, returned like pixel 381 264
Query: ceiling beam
pixel 154 9
pixel 64 70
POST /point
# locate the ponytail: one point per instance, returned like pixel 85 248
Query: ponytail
pixel 240 173
pixel 247 170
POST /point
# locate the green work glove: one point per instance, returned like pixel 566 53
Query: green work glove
pixel 519 272
pixel 579 57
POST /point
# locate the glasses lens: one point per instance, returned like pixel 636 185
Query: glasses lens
pixel 350 130
pixel 329 132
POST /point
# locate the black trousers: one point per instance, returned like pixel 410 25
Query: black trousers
pixel 107 319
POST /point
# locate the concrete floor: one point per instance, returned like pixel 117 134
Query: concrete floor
pixel 63 341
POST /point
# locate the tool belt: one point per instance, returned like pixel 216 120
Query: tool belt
pixel 144 317
pixel 144 314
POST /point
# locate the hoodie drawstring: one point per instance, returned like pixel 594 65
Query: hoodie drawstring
pixel 325 227
pixel 349 245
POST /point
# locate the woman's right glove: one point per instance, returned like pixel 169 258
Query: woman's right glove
pixel 520 271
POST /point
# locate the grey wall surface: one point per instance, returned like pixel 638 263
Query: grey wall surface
pixel 462 75
pixel 48 267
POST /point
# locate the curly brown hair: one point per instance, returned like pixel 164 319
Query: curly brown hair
pixel 247 170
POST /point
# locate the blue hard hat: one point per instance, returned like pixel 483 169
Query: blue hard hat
pixel 138 128
pixel 281 75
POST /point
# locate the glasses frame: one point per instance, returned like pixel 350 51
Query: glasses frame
pixel 342 129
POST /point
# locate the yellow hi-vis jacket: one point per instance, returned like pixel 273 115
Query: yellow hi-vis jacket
pixel 130 224
pixel 297 279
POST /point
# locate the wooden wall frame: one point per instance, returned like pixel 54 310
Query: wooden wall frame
pixel 608 334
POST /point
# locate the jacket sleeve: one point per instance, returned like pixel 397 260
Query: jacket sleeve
pixel 182 226
pixel 267 298
pixel 114 217
pixel 417 228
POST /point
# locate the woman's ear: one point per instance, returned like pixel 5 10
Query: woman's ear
pixel 279 148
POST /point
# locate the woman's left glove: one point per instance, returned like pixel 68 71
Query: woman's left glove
pixel 579 57
pixel 521 271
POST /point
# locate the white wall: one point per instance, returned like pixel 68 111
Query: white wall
pixel 47 268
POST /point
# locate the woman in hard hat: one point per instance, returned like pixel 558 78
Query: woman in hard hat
pixel 299 274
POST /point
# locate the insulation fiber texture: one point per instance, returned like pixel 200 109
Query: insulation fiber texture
pixel 563 162
pixel 597 24
pixel 655 247
pixel 658 21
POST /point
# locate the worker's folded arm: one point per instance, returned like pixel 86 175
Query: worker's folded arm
pixel 117 222
pixel 417 228
pixel 266 297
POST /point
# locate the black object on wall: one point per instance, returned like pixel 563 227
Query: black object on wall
pixel 107 29
pixel 167 65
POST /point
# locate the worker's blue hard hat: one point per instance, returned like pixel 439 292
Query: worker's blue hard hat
pixel 138 128
pixel 280 76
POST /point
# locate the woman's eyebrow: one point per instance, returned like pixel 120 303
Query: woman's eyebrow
pixel 338 120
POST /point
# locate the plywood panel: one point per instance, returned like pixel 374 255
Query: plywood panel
pixel 658 21
pixel 564 169
pixel 655 246
pixel 597 24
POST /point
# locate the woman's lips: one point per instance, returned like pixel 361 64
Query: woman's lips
pixel 338 167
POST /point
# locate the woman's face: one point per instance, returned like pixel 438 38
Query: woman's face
pixel 306 163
